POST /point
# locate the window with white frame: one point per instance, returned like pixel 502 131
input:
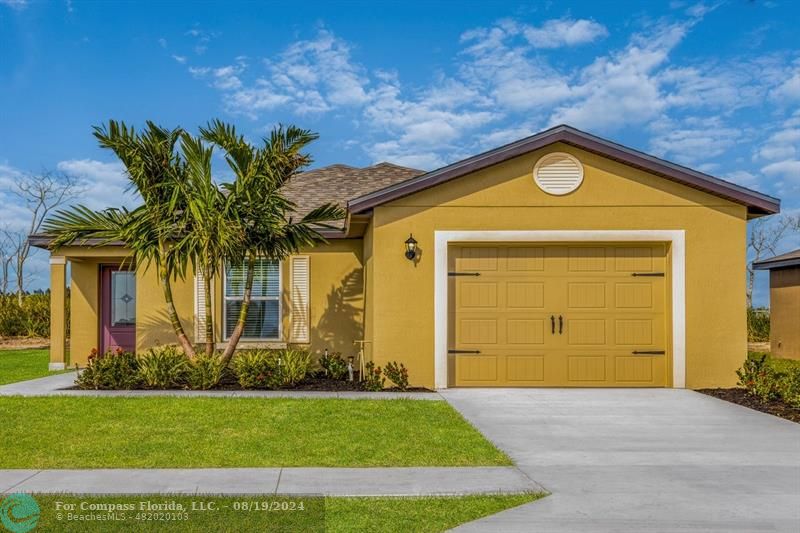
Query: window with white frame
pixel 264 314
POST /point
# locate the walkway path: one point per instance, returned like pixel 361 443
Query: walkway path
pixel 640 460
pixel 288 481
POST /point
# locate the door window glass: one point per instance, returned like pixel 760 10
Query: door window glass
pixel 123 298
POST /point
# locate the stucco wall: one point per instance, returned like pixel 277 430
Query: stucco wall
pixel 152 324
pixel 784 296
pixel 612 197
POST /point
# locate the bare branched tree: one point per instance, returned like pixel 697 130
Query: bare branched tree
pixel 9 248
pixel 40 194
pixel 766 236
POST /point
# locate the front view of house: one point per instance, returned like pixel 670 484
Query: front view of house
pixel 559 260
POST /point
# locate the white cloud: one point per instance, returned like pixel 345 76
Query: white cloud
pixel 622 88
pixel 103 184
pixel 179 59
pixel 15 4
pixel 693 139
pixel 564 32
pixel 789 90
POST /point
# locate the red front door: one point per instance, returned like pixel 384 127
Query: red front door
pixel 117 309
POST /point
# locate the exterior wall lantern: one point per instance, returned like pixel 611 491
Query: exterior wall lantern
pixel 411 247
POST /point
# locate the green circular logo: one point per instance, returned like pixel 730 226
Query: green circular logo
pixel 19 513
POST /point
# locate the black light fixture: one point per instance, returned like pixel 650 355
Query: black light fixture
pixel 411 247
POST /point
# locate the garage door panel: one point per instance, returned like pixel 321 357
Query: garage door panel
pixel 525 368
pixel 634 368
pixel 611 298
pixel 633 332
pixel 586 259
pixel 586 368
pixel 478 330
pixel 477 294
pixel 526 259
pixel 633 259
pixel 633 295
pixel 586 331
pixel 582 295
pixel 525 294
pixel 477 259
pixel 477 368
pixel 525 331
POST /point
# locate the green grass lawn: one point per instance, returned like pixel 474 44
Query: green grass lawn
pixel 777 364
pixel 319 514
pixel 161 432
pixel 19 365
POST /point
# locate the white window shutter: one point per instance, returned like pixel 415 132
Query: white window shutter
pixel 199 309
pixel 300 286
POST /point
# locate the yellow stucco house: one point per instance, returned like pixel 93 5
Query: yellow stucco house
pixel 562 259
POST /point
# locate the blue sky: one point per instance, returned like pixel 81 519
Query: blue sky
pixel 715 86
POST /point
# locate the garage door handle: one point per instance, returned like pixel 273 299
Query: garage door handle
pixel 649 352
pixel 560 324
pixel 463 351
pixel 552 325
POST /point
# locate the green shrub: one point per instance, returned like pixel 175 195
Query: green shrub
pixel 163 367
pixel 110 371
pixel 373 380
pixel 205 371
pixel 757 325
pixel 294 365
pixel 257 369
pixel 31 319
pixel 769 379
pixel 333 365
pixel 397 374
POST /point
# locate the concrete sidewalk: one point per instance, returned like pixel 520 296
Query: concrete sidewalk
pixel 285 481
pixel 60 385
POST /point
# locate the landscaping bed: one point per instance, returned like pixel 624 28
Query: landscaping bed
pixel 201 432
pixel 765 384
pixel 167 367
pixel 744 398
pixel 428 514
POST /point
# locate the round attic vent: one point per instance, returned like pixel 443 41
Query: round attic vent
pixel 558 173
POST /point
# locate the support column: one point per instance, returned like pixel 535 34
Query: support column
pixel 58 312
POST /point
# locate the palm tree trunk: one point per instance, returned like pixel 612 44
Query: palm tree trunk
pixel 239 329
pixel 207 283
pixel 172 313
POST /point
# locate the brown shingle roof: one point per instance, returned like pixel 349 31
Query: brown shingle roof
pixel 779 261
pixel 340 183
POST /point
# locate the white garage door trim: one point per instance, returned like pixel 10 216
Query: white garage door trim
pixel 675 237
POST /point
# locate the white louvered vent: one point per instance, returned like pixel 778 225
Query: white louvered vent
pixel 300 291
pixel 199 309
pixel 558 173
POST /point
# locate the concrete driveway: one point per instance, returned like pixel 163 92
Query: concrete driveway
pixel 640 460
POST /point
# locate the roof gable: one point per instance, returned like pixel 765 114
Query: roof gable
pixel 756 202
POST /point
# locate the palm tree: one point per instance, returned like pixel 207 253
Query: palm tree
pixel 259 207
pixel 158 174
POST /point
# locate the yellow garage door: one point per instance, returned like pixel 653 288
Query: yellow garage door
pixel 559 315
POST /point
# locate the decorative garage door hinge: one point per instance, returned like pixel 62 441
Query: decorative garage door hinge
pixel 463 273
pixel 463 351
pixel 648 274
pixel 649 352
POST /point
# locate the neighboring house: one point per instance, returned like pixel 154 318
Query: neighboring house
pixel 561 259
pixel 784 303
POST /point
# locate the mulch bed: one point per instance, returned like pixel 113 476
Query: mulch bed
pixel 740 396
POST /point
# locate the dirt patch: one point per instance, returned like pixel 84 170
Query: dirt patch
pixel 760 347
pixel 23 343
pixel 741 397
